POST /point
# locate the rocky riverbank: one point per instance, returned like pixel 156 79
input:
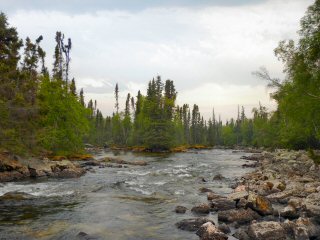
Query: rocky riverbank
pixel 14 168
pixel 279 200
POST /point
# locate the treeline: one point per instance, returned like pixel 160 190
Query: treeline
pixel 43 113
pixel 39 112
pixel 154 121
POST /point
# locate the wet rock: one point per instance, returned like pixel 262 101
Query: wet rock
pixel 281 186
pixel 260 204
pixel 311 225
pixel 202 208
pixel 213 196
pixel 202 179
pixel 266 231
pixel 10 176
pixel 250 165
pixel 66 169
pixel 268 185
pixel 295 202
pixel 15 196
pixel 224 228
pixel 92 163
pixel 209 231
pixel 240 216
pixel 204 190
pixel 218 177
pixel 254 157
pixel 120 161
pixel 85 236
pixel 289 212
pixel 241 203
pixel 241 234
pixel 312 203
pixel 138 163
pixel 192 224
pixel 240 188
pixel 180 209
pixel 238 195
pixel 221 204
pixel 276 197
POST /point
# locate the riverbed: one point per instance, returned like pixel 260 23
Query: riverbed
pixel 119 203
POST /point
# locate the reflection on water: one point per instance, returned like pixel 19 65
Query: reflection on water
pixel 117 203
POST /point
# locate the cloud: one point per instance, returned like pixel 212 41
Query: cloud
pixel 198 47
pixel 83 6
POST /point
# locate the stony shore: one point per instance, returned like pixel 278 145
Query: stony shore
pixel 279 200
pixel 15 168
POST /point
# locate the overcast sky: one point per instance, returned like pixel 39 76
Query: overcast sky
pixel 208 47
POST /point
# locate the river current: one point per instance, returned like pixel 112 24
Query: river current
pixel 119 203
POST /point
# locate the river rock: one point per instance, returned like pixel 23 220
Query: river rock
pixel 192 224
pixel 312 203
pixel 295 202
pixel 260 204
pixel 205 190
pixel 180 209
pixel 266 231
pixel 289 212
pixel 240 188
pixel 276 197
pixel 238 195
pixel 221 204
pixel 311 225
pixel 218 177
pixel 209 231
pixel 202 208
pixel 213 196
pixel 240 216
pixel 85 236
pixel 224 228
pixel 241 234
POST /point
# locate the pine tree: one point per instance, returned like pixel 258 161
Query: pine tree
pixel 116 94
pixel 73 89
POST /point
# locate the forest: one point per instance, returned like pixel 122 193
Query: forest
pixel 42 111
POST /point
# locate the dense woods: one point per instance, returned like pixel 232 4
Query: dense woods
pixel 42 111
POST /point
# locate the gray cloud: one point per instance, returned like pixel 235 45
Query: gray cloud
pixel 80 6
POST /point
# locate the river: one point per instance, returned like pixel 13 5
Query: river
pixel 119 203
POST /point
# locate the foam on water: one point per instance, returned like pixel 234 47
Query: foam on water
pixel 36 189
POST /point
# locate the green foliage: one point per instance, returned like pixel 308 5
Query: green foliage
pixel 38 113
pixel 314 156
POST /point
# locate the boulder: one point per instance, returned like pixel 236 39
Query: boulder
pixel 209 231
pixel 10 176
pixel 266 231
pixel 224 228
pixel 202 208
pixel 180 209
pixel 295 202
pixel 240 216
pixel 312 203
pixel 221 204
pixel 241 234
pixel 192 224
pixel 238 195
pixel 213 196
pixel 312 227
pixel 260 204
pixel 289 212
